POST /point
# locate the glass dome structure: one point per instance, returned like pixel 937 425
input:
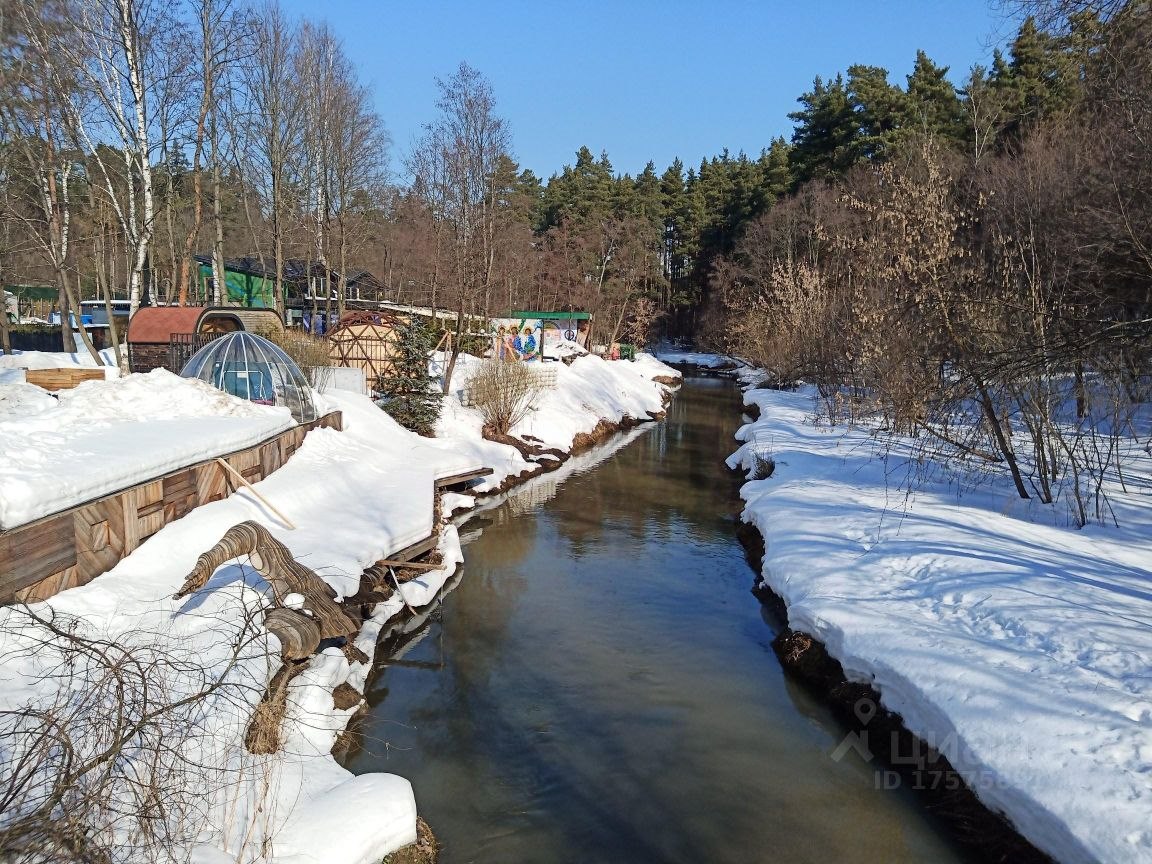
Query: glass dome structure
pixel 251 367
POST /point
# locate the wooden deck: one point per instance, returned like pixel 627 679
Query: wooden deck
pixel 416 549
pixel 74 546
pixel 460 479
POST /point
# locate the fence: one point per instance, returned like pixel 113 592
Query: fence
pixel 541 378
pixel 51 340
pixel 181 347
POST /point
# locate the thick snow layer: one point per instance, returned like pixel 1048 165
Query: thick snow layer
pixel 48 360
pixel 589 390
pixel 650 367
pixel 563 348
pixel 693 358
pixel 18 399
pixel 1019 647
pixel 107 435
pixel 355 496
pixel 357 822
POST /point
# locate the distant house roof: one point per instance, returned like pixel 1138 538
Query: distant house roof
pixel 158 323
pixel 33 292
pixel 296 270
pixel 251 266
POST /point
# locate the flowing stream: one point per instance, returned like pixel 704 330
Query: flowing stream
pixel 600 685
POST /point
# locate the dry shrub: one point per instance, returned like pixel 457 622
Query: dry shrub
pixel 425 850
pixel 121 763
pixel 641 323
pixel 264 734
pixel 504 393
pixel 310 353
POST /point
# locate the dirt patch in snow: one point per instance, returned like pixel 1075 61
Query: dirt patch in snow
pixel 600 433
pixel 426 850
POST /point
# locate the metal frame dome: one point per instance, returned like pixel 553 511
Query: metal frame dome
pixel 250 367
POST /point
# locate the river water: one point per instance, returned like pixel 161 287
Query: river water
pixel 600 685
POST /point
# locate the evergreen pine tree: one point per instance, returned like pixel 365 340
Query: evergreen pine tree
pixel 775 172
pixel 677 233
pixel 826 142
pixel 934 108
pixel 881 109
pixel 645 201
pixel 411 397
pixel 1042 75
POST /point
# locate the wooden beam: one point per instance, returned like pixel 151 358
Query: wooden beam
pixel 463 477
pixel 224 464
pixel 411 565
pixel 415 550
pixel 63 379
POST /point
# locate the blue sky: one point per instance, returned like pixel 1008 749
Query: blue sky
pixel 643 79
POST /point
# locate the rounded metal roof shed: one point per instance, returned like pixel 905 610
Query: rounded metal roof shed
pixel 252 368
pixel 166 336
pixel 157 324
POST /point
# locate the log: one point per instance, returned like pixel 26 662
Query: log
pixel 299 635
pixel 273 560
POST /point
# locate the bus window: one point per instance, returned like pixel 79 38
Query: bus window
pixel 98 312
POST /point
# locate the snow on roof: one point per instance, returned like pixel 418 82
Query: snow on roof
pixel 107 435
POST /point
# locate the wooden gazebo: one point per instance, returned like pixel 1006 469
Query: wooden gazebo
pixel 366 340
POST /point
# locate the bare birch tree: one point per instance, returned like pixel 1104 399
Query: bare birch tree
pixel 319 64
pixel 49 164
pixel 273 122
pixel 456 166
pixel 117 55
pixel 359 150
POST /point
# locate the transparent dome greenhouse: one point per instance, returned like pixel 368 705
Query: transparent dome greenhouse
pixel 251 367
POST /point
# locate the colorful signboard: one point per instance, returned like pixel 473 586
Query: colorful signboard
pixel 517 339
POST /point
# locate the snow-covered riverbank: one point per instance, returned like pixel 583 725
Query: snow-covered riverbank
pixel 355 496
pixel 1016 645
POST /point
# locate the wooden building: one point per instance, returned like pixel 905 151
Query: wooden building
pixel 167 336
pixel 368 341
pixel 309 289
pixel 74 546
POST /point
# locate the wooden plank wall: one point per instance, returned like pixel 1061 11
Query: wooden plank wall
pixel 75 546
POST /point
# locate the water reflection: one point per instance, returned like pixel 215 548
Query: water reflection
pixel 601 687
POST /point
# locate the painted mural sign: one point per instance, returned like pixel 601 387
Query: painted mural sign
pixel 517 339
